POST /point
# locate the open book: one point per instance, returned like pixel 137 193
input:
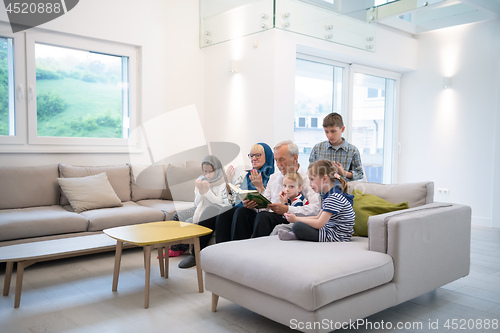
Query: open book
pixel 252 195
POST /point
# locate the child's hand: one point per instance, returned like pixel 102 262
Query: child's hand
pixel 291 217
pixel 283 198
pixel 203 186
pixel 339 166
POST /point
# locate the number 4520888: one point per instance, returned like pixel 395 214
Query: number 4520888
pixel 33 8
pixel 469 324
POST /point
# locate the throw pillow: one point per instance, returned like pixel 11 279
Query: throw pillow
pixel 366 205
pixel 92 192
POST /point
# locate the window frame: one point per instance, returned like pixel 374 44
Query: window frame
pixel 19 136
pixel 74 43
pixel 26 139
pixel 391 153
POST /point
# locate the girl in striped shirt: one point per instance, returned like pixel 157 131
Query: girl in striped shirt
pixel 335 222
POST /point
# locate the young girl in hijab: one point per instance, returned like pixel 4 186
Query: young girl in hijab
pixel 210 188
pixel 210 197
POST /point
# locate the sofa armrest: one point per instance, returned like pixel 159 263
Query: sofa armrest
pixel 430 247
pixel 377 225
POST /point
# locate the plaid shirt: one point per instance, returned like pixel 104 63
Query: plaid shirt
pixel 347 155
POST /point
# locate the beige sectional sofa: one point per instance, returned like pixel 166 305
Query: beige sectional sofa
pixel 33 207
pixel 315 287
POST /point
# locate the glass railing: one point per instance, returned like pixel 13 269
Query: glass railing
pixel 323 20
pixel 221 21
pixel 347 22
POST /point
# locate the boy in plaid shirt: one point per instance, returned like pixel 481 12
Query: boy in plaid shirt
pixel 343 155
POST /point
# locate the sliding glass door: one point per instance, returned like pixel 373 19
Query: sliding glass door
pixel 319 90
pixel 372 123
pixel 366 99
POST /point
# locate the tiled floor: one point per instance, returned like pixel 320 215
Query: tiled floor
pixel 74 295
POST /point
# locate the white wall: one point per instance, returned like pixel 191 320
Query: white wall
pixel 172 63
pixel 450 136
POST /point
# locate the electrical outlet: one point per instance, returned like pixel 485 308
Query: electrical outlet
pixel 443 190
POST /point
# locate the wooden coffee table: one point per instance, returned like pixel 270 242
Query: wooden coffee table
pixel 28 254
pixel 162 235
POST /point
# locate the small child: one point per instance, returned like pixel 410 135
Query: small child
pixel 292 190
pixel 335 222
pixel 210 188
pixel 291 196
pixel 210 197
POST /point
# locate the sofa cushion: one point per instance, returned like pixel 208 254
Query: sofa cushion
pixel 39 221
pixel 22 187
pixel 118 176
pixel 181 179
pixel 168 207
pixel 307 274
pixel 91 192
pixel 366 205
pixel 416 194
pixel 148 182
pixel 130 213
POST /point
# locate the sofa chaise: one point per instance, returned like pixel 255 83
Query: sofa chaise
pixel 33 207
pixel 315 287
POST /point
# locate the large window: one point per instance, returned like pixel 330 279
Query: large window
pixel 368 113
pixel 80 93
pixel 73 91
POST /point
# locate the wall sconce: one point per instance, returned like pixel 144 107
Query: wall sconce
pixel 235 66
pixel 446 82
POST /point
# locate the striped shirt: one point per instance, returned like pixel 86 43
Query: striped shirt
pixel 340 226
pixel 300 200
pixel 346 154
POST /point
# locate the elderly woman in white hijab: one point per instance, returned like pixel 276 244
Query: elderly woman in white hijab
pixel 210 192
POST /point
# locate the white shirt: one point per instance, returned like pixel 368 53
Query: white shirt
pixel 217 194
pixel 275 186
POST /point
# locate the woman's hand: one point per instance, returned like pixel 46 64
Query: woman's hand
pixel 291 217
pixel 230 173
pixel 256 179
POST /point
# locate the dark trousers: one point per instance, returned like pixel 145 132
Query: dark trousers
pixel 234 224
pixel 305 232
pixel 209 219
pixel 265 223
pixel 243 223
pixel 223 225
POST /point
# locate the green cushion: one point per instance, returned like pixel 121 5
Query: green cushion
pixel 366 205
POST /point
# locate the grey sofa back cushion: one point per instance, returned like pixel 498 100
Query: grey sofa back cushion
pixel 118 176
pixel 416 194
pixel 22 187
pixel 181 179
pixel 148 182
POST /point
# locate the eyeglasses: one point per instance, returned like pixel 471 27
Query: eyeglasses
pixel 257 156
